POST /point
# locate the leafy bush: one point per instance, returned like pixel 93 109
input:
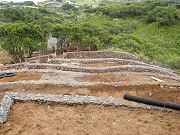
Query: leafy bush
pixel 163 16
pixel 19 39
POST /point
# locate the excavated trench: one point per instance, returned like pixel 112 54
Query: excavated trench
pixel 137 84
pixel 150 91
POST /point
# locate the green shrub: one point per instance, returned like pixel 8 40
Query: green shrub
pixel 163 16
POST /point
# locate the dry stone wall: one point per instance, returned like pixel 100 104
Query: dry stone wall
pixel 100 54
pixel 128 68
pixel 94 61
pixel 5 106
pixel 12 97
pixel 40 59
pixel 15 66
pixel 41 84
pixel 102 60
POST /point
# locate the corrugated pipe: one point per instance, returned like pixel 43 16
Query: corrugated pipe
pixel 152 102
pixel 7 74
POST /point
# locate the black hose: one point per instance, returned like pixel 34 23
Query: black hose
pixel 7 74
pixel 152 102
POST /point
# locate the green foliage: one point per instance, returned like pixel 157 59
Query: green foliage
pixel 20 39
pixel 68 6
pixel 81 34
pixel 28 3
pixel 28 15
pixel 163 16
pixel 11 14
pixel 150 29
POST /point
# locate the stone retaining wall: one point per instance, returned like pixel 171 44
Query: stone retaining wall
pixel 94 61
pixel 128 68
pixel 102 60
pixel 100 54
pixel 5 106
pixel 11 97
pixel 41 84
pixel 40 59
pixel 15 66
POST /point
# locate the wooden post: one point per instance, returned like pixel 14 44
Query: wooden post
pixel 39 56
pixel 20 63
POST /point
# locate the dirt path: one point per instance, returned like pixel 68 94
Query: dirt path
pixel 36 119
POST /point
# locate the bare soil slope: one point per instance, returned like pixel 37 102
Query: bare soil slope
pixel 36 119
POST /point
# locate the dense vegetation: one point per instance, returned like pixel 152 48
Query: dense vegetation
pixel 150 29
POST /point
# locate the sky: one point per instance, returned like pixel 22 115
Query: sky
pixel 35 1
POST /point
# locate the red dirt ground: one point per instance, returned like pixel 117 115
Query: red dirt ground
pixel 33 118
pixel 36 119
pixel 22 76
pixel 126 78
pixel 108 64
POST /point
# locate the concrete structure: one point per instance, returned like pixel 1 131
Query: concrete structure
pixel 52 43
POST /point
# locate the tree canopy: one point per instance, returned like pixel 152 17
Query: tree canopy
pixel 20 39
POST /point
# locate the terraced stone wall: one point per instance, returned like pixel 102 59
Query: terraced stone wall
pixel 41 84
pixel 100 54
pixel 10 97
pixel 40 59
pixel 128 68
pixel 15 66
pixel 94 61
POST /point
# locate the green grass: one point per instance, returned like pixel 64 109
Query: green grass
pixel 167 39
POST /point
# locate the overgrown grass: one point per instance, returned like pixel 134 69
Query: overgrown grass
pixel 158 44
pixel 167 42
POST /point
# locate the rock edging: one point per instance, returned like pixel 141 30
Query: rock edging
pixel 100 54
pixel 12 97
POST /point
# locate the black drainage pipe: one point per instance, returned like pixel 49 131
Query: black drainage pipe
pixel 152 102
pixel 7 74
